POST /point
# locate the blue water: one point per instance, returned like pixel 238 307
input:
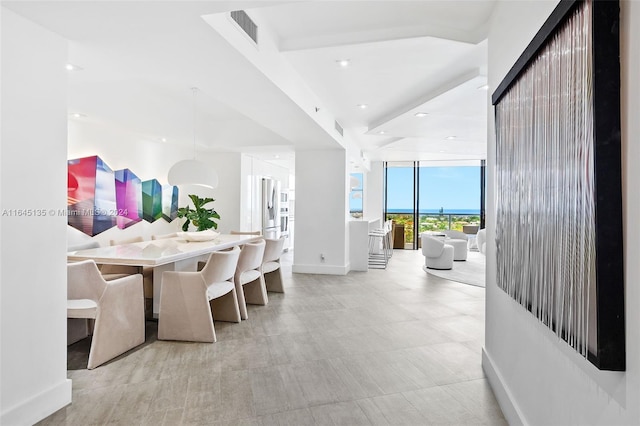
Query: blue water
pixel 436 211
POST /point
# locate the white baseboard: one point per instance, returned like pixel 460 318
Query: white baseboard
pixel 321 269
pixel 502 393
pixel 39 406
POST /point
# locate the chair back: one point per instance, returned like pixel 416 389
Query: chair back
pixel 452 233
pixel 84 246
pixel 221 266
pixel 126 241
pixel 165 236
pixel 273 249
pixel 245 233
pixel 84 281
pixel 251 256
pixel 432 247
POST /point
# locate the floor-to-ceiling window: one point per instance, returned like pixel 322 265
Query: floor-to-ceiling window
pixel 431 196
pixel 355 195
pixel 400 197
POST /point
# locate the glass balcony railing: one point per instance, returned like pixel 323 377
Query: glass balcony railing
pixel 431 222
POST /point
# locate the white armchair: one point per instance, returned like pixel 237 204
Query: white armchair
pixel 117 308
pixel 459 241
pixel 482 241
pixel 437 254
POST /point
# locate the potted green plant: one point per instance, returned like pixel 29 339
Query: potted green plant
pixel 201 217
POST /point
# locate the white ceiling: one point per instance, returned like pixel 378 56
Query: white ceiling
pixel 141 59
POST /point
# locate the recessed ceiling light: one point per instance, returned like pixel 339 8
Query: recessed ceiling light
pixel 77 115
pixel 163 139
pixel 483 87
pixel 71 67
pixel 276 156
pixel 449 138
pixel 343 62
pixel 362 106
pixel 381 132
pixel 421 114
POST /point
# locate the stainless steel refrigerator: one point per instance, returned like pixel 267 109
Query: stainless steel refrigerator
pixel 270 208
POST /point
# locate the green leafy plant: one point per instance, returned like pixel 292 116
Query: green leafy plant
pixel 201 217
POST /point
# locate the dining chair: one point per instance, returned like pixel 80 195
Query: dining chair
pixel 84 246
pixel 116 271
pixel 132 240
pixel 116 308
pixel 250 287
pixel 164 236
pixel 190 301
pixel 271 268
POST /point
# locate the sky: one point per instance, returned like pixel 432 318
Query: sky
pixel 452 188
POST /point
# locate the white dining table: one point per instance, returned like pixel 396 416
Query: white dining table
pixel 171 254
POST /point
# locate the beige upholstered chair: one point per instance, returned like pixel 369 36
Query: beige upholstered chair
pixel 248 279
pixel 437 254
pixel 84 246
pixel 189 301
pixel 165 236
pixel 117 308
pixel 271 270
pixel 116 271
pixel 126 241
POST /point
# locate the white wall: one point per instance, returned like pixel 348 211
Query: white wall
pixel 537 377
pixel 33 350
pixel 252 171
pixel 373 191
pixel 321 212
pixel 150 159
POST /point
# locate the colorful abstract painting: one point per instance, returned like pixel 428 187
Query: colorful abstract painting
pixel 151 200
pixel 128 198
pixel 91 195
pixel 169 202
pixel 99 198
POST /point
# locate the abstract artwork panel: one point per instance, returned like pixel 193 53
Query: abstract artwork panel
pixel 128 198
pixel 90 195
pixel 169 202
pixel 558 182
pixel 151 200
pixel 99 198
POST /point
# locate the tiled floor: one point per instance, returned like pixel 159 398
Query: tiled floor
pixel 392 347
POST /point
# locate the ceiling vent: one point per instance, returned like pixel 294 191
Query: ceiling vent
pixel 247 25
pixel 338 128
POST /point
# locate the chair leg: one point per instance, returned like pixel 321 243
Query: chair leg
pixel 273 281
pixel 242 304
pixel 225 308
